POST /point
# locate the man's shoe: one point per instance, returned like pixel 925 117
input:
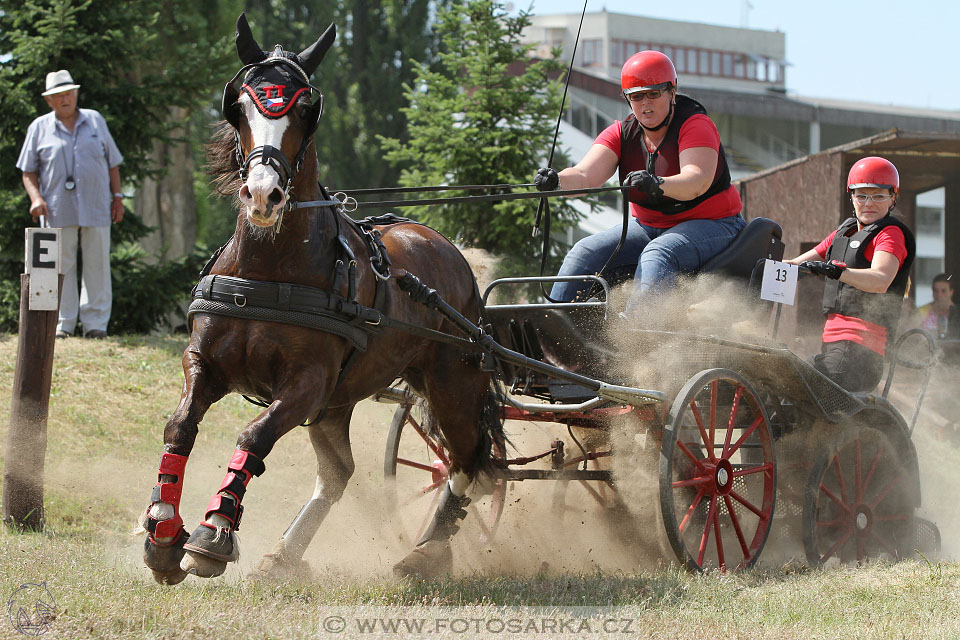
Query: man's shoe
pixel 63 334
pixel 95 334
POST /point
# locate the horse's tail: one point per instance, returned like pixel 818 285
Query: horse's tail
pixel 492 434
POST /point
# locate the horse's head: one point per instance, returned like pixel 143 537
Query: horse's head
pixel 269 105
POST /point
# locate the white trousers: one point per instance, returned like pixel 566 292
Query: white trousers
pixel 96 291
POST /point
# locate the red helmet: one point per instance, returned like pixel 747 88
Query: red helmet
pixel 647 70
pixel 873 171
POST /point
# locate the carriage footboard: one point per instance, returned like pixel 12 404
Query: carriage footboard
pixel 614 393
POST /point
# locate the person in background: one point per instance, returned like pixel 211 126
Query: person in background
pixel 940 316
pixel 685 211
pixel 70 172
pixel 866 263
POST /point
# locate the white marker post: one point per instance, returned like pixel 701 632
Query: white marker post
pixel 779 285
pixel 27 436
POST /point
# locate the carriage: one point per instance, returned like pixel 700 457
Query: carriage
pixel 747 441
pixel 307 312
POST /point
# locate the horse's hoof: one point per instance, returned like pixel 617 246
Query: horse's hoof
pixel 209 550
pixel 430 559
pixel 277 566
pixel 202 566
pixel 164 560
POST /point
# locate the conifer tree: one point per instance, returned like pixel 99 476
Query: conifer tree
pixel 485 116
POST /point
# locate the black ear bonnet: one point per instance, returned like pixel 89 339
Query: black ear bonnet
pixel 274 82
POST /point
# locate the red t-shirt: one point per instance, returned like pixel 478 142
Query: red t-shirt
pixel 870 335
pixel 697 131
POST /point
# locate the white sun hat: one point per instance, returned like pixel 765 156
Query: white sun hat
pixel 58 82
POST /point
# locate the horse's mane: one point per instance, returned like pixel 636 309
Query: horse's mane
pixel 222 166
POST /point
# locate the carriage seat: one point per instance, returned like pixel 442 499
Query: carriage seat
pixel 761 238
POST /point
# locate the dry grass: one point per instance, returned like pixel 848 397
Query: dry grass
pixel 109 403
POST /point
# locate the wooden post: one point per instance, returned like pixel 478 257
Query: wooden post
pixel 27 435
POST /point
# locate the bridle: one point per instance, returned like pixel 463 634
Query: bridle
pixel 266 154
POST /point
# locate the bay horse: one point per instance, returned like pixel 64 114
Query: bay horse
pixel 300 310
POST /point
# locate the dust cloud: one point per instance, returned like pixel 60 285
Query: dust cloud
pixel 546 526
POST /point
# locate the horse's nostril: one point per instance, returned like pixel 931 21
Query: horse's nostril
pixel 276 197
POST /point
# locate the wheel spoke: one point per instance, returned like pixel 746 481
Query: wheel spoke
pixel 690 511
pixel 484 531
pixel 883 492
pixel 753 427
pixel 437 450
pixel 732 420
pixel 692 482
pixel 839 543
pixel 416 495
pixel 873 466
pixel 840 481
pixel 593 492
pixel 747 504
pixel 415 465
pixel 859 478
pixel 736 527
pixel 705 538
pixel 703 431
pixel 896 517
pixel 883 544
pixel 430 511
pixel 714 391
pixel 693 458
pixel 842 503
pixel 831 523
pixel 719 539
pixel 766 467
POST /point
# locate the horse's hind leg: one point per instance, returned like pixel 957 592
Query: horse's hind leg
pixel 335 466
pixel 467 413
pixel 163 548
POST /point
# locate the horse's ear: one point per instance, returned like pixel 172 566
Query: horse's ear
pixel 312 55
pixel 247 48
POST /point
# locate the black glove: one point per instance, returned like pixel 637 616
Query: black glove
pixel 546 180
pixel 645 182
pixel 831 269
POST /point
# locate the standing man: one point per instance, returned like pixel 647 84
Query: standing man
pixel 70 171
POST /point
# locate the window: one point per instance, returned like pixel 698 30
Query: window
pixel 681 60
pixel 727 64
pixel 738 66
pixel 592 53
pixel 751 69
pixel 714 63
pixel 704 63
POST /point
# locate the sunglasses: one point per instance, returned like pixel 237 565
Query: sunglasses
pixel 876 197
pixel 653 94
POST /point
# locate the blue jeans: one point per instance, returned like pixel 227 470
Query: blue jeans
pixel 659 254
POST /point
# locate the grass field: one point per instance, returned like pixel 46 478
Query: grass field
pixel 109 402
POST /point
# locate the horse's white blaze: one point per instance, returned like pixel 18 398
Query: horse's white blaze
pixel 262 180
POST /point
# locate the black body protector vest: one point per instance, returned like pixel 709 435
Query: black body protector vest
pixel 665 161
pixel 849 246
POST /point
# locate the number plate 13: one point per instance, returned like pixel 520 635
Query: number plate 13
pixel 779 282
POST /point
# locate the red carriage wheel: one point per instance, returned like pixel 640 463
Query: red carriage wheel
pixel 858 501
pixel 717 473
pixel 415 469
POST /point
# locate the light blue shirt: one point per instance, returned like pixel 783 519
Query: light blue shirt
pixel 87 154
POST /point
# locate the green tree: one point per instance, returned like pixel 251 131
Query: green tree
pixel 485 116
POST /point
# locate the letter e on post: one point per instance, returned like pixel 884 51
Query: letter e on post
pixel 43 266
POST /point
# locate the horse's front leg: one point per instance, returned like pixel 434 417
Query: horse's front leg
pixel 213 543
pixel 163 548
pixel 335 466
